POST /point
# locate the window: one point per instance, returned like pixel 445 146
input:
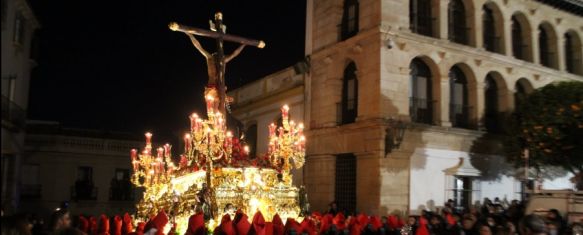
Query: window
pixel 462 192
pixel 491 96
pixel 84 188
pixel 543 42
pixel 420 99
pixel 349 26
pixel 121 188
pixel 547 46
pixel 493 28
pixel 521 37
pixel 30 188
pixel 458 104
pixel 349 95
pixel 420 19
pixel 489 30
pixel 522 89
pixel 573 53
pixel 251 139
pixel 85 173
pixel 19 27
pixel 345 183
pixel 457 22
pixel 517 46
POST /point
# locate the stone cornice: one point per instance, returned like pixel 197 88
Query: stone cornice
pixel 479 53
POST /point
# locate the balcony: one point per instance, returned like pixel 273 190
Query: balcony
pixel 30 191
pixel 421 110
pixel 459 115
pixel 83 191
pixel 12 114
pixel 121 190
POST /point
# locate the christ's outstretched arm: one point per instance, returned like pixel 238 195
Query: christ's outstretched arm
pixel 198 46
pixel 234 54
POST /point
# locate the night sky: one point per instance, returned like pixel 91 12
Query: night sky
pixel 115 65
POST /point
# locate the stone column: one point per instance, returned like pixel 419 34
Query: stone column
pixel 535 44
pixel 479 105
pixel 444 104
pixel 562 63
pixel 507 35
pixel 442 28
pixel 478 32
pixel 368 183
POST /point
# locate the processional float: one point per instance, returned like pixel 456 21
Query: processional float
pixel 215 175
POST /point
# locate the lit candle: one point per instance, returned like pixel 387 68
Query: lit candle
pixel 284 111
pixel 170 169
pixel 135 163
pixel 193 119
pixel 300 129
pixel 187 142
pixel 198 124
pixel 160 153
pixel 246 149
pixel 209 103
pixel 272 129
pixel 148 138
pixel 167 148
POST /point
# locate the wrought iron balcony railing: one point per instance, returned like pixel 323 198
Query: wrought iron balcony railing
pixel 83 192
pixel 459 115
pixel 421 110
pixel 344 116
pixel 13 113
pixel 123 192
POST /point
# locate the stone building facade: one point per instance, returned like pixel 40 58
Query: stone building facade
pixel 19 52
pixel 259 103
pixel 446 71
pixel 87 169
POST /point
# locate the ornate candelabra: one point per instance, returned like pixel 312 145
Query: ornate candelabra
pixel 287 144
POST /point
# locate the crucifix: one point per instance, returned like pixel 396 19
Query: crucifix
pixel 217 61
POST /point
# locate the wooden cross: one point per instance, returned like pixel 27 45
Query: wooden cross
pixel 216 62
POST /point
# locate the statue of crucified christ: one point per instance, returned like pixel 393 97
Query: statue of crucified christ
pixel 217 61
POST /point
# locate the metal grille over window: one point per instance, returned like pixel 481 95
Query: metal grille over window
pixel 462 192
pixel 345 185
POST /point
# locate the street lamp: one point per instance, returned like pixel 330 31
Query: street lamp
pixel 394 135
